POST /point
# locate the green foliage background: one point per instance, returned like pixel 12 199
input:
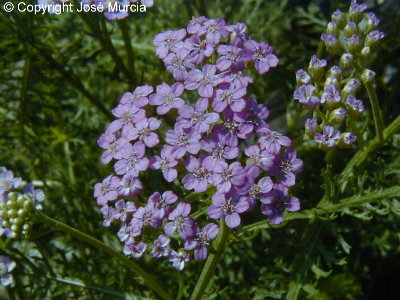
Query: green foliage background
pixel 58 82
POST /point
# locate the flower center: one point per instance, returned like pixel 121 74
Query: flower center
pixel 164 165
pixel 168 99
pixel 143 133
pixel 205 80
pixel 228 97
pixel 231 127
pixel 254 191
pixel 113 147
pixel 201 173
pixel 104 188
pixel 146 218
pixel 255 159
pixel 218 152
pixel 228 208
pixel 198 117
pixel 202 238
pixel 233 56
pixel 212 28
pixel 179 221
pixel 183 139
pixel 126 117
pixel 227 174
pixel 132 161
pixel 272 136
pixel 177 63
pixel 285 166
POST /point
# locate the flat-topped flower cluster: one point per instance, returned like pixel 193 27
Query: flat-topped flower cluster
pixel 331 94
pixel 196 147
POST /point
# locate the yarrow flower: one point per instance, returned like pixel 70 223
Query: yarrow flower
pixel 331 93
pixel 175 147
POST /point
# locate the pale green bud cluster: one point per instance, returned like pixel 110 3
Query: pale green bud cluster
pixel 15 214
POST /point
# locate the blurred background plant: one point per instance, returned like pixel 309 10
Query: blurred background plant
pixel 61 74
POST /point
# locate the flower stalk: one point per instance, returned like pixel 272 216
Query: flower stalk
pixel 375 110
pixel 211 263
pixel 328 208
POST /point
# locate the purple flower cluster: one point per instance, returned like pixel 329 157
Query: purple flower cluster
pixel 210 62
pixel 16 204
pixel 331 94
pixel 113 9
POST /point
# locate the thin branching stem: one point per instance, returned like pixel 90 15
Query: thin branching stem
pixel 314 213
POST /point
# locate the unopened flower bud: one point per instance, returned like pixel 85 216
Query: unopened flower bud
pixel 12 197
pixel 332 28
pixel 373 38
pixel 302 77
pixel 22 212
pixel 15 228
pixel 331 97
pixel 335 71
pixel 350 29
pixel 367 76
pixel 13 235
pixel 316 68
pixel 338 115
pixel 350 88
pixel 371 22
pixel 6 223
pixel 311 127
pixel 11 213
pixel 354 106
pixel 21 200
pixel 340 18
pixel 331 42
pixel 356 11
pixel 366 52
pixel 346 60
pixel 353 43
pixel 28 205
pixel 14 220
pixel 331 81
pixel 347 139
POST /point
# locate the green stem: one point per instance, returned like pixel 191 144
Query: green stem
pixel 327 209
pixel 211 263
pixel 101 33
pixel 374 144
pixel 150 282
pixel 375 110
pixel 124 27
pixel 107 43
